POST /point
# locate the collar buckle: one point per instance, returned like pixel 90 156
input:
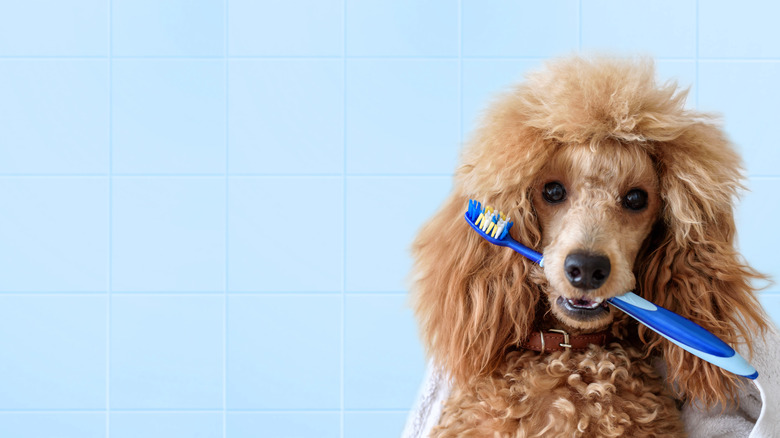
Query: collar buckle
pixel 565 343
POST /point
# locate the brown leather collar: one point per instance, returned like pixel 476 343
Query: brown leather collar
pixel 559 340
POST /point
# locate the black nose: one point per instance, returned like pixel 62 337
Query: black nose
pixel 586 270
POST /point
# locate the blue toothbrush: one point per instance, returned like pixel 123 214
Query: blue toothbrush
pixel 494 227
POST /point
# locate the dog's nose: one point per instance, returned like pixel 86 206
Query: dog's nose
pixel 586 270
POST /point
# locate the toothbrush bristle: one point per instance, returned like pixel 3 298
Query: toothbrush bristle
pixel 494 223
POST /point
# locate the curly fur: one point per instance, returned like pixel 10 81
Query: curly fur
pixel 476 302
pixel 603 392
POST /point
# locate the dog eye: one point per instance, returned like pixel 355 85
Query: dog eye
pixel 554 192
pixel 635 199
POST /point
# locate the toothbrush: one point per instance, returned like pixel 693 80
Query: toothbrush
pixel 494 226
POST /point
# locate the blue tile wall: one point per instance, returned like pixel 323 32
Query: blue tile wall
pixel 380 352
pixel 756 240
pixel 377 424
pixel 304 424
pixel 206 207
pixel 771 303
pixel 264 372
pixel 483 80
pixel 402 115
pixel 747 109
pixel 379 261
pixel 170 28
pixel 505 28
pixel 168 234
pixel 166 425
pixel 296 255
pixel 54 234
pixel 53 116
pixel 288 28
pixel 53 424
pixel 738 30
pixel 270 100
pixel 54 28
pixel 662 28
pixel 54 351
pixel 166 351
pixel 684 72
pixel 402 28
pixel 168 116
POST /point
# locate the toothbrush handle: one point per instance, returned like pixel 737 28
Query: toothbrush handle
pixel 507 241
pixel 684 333
pixel 524 250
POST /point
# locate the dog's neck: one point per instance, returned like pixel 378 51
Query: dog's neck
pixel 551 335
pixel 546 321
pixel 560 340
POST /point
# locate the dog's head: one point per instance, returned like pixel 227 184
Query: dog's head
pixel 621 188
pixel 595 206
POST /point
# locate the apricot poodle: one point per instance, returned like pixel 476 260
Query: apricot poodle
pixel 622 188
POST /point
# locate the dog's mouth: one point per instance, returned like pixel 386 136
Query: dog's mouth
pixel 583 308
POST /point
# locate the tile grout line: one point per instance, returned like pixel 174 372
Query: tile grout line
pixel 227 223
pixel 530 58
pixel 696 79
pixel 110 217
pixel 579 26
pixel 344 223
pixel 237 175
pixel 195 294
pixel 191 411
pixel 460 74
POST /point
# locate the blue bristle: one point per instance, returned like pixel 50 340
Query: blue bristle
pixel 476 208
pixel 506 230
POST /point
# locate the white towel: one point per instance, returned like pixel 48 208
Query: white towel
pixel 756 417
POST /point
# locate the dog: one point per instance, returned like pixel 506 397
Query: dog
pixel 622 188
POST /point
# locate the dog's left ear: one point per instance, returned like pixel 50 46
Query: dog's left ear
pixel 689 264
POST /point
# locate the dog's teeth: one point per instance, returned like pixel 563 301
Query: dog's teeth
pixel 598 300
pixel 583 303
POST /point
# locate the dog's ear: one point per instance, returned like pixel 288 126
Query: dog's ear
pixel 471 298
pixel 689 264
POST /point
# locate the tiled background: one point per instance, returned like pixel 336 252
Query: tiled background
pixel 205 206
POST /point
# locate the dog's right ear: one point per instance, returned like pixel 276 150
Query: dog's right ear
pixel 471 298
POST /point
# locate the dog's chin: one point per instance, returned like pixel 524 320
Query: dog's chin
pixel 582 314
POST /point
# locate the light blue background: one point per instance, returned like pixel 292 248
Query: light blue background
pixel 206 206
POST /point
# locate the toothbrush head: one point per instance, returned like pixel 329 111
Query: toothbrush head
pixel 492 224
